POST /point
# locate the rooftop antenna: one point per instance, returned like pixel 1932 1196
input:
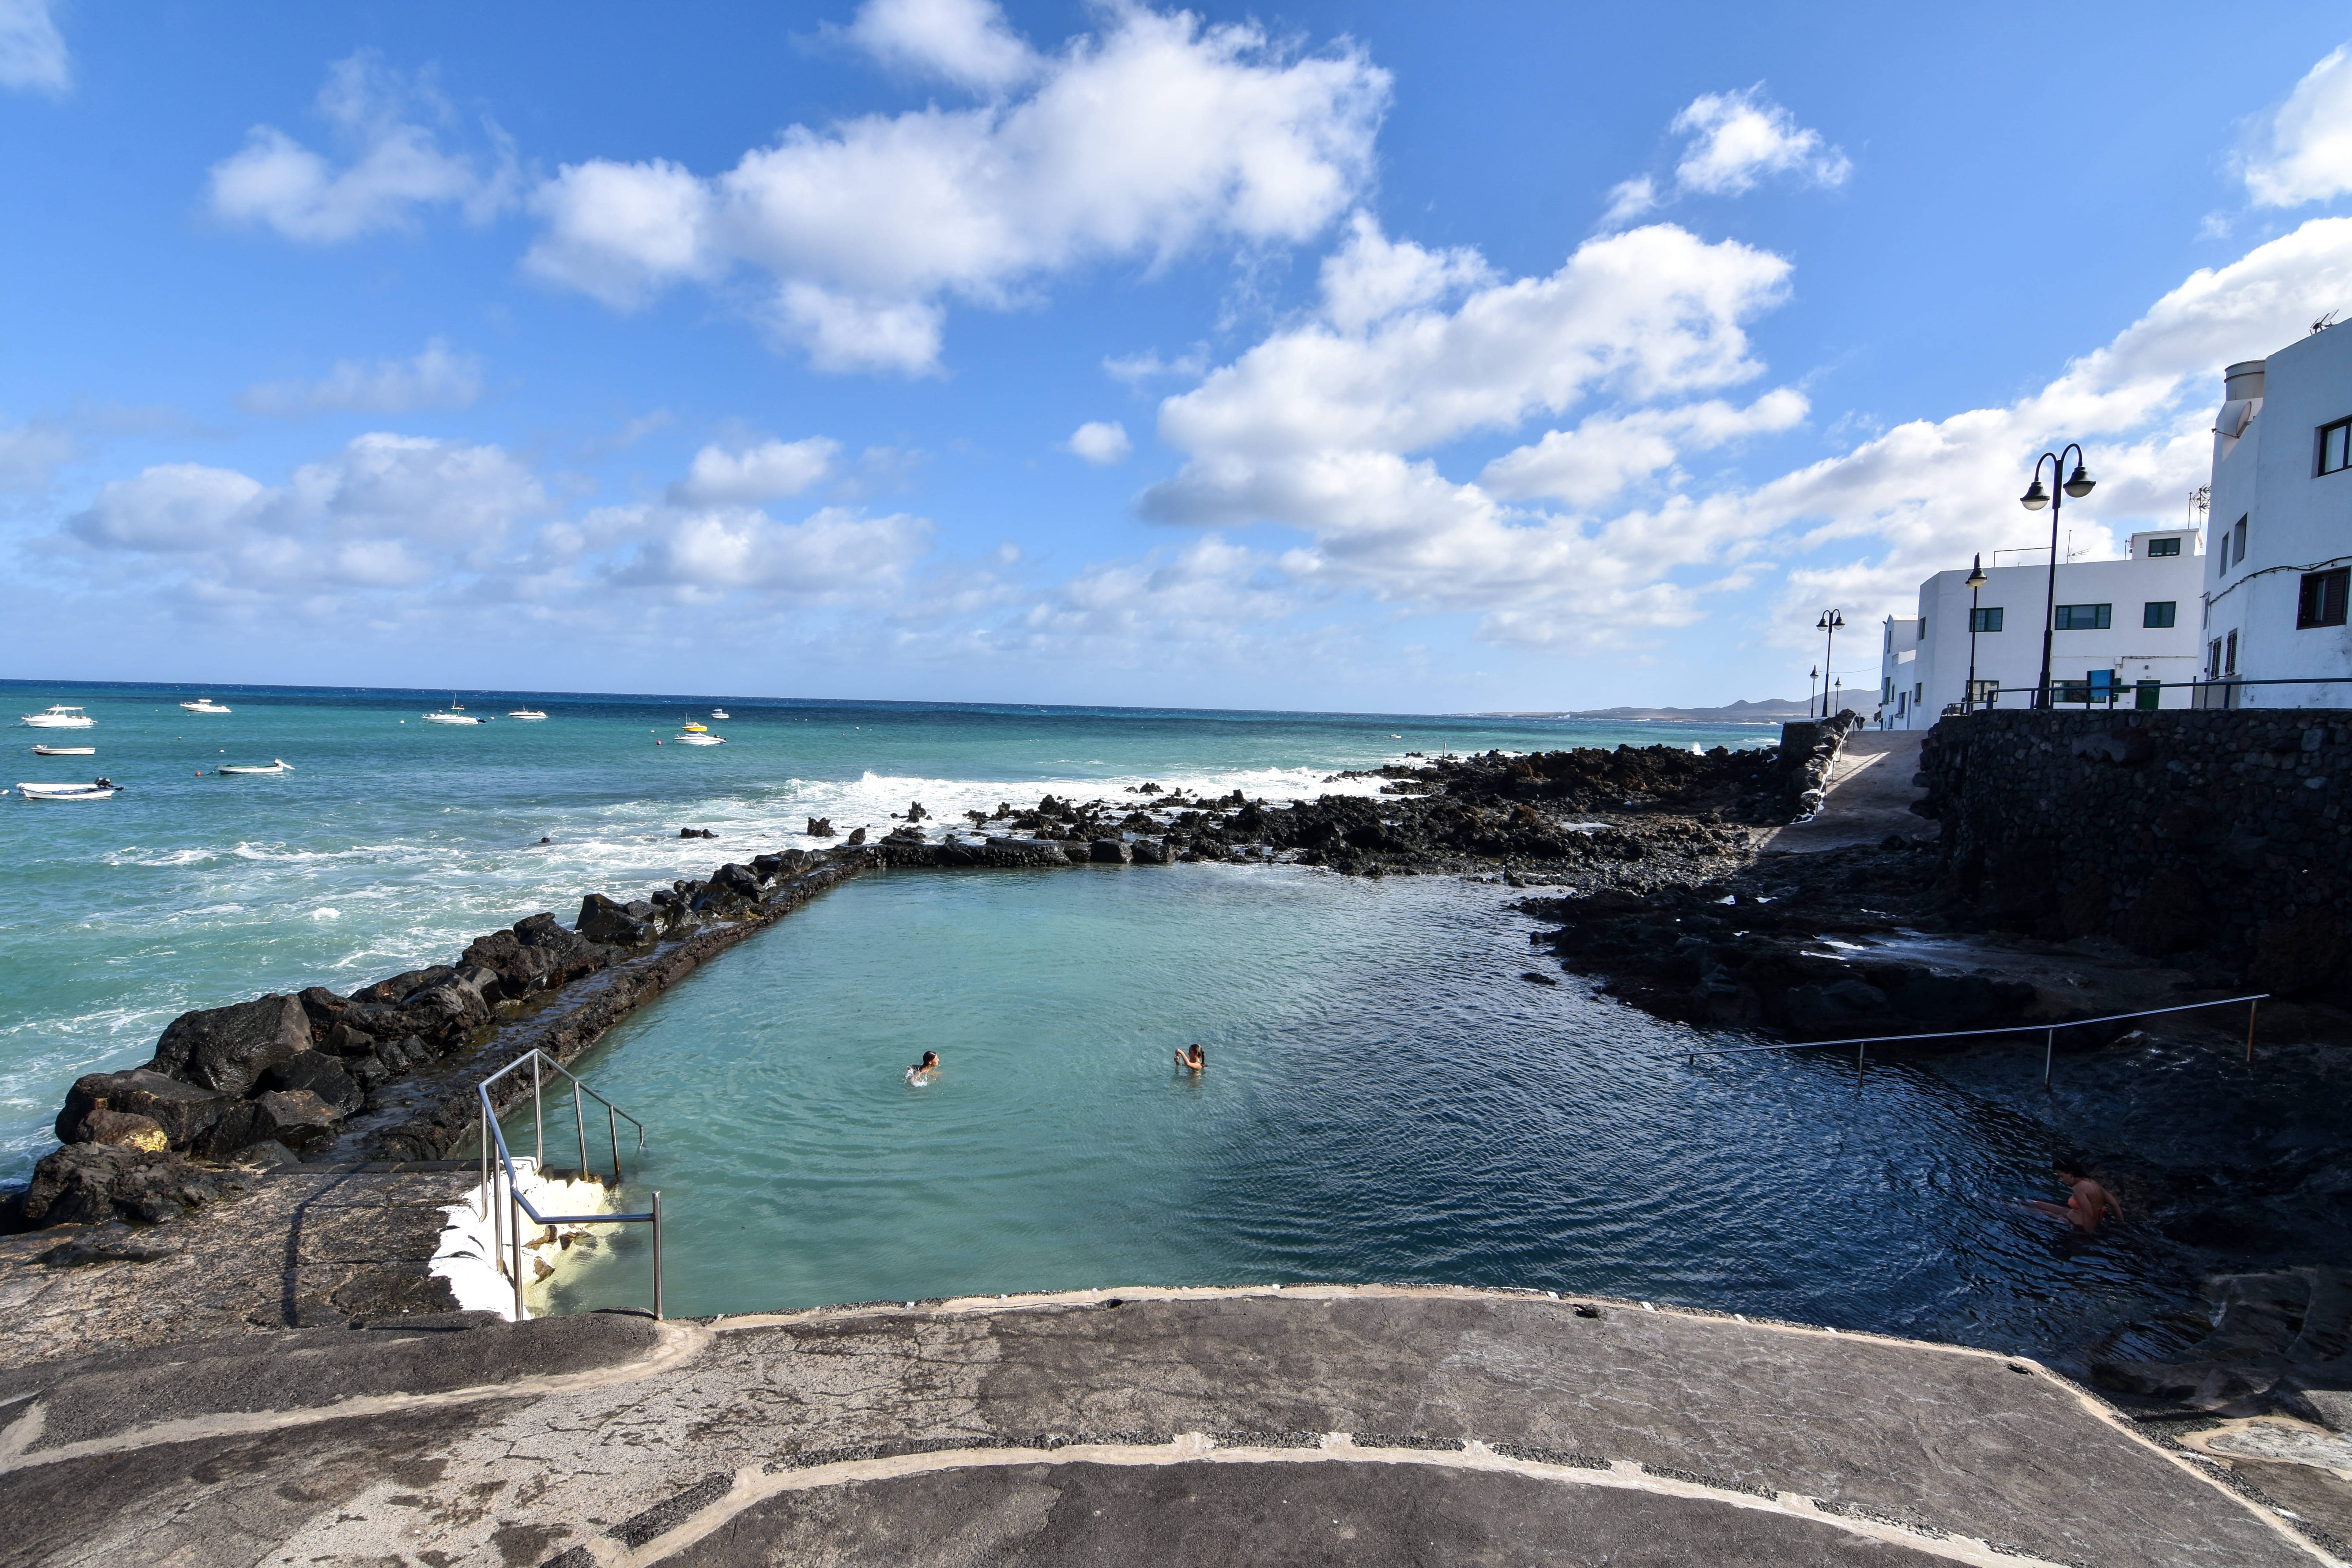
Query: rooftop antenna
pixel 2200 503
pixel 2323 322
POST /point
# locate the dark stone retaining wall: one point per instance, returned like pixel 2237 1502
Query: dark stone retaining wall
pixel 2221 838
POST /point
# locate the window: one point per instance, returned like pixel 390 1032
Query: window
pixel 2230 654
pixel 2213 660
pixel 1919 693
pixel 2322 601
pixel 1984 691
pixel 2238 542
pixel 1985 620
pixel 1923 631
pixel 2158 612
pixel 2336 447
pixel 1890 691
pixel 2221 555
pixel 2085 617
pixel 2163 547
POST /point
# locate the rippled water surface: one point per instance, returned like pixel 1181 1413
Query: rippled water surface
pixel 1386 1099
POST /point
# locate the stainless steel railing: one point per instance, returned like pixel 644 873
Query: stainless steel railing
pixel 506 1215
pixel 2048 1031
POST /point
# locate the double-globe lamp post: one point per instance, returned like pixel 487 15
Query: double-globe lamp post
pixel 1831 623
pixel 2078 485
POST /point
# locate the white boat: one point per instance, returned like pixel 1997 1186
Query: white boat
pixel 451 718
pixel 276 765
pixel 205 705
pixel 527 715
pixel 701 738
pixel 65 750
pixel 721 713
pixel 60 719
pixel 102 789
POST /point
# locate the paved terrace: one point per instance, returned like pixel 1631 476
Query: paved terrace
pixel 1303 1426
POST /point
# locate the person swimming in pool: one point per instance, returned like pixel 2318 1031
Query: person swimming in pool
pixel 1191 1059
pixel 921 1073
pixel 2086 1207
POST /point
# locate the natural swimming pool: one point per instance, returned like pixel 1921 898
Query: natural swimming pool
pixel 1386 1099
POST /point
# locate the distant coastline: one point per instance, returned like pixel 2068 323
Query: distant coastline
pixel 1771 710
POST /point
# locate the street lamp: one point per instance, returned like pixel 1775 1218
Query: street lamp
pixel 1811 676
pixel 2078 485
pixel 1976 581
pixel 1830 624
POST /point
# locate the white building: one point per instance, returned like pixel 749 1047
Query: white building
pixel 2125 628
pixel 2277 576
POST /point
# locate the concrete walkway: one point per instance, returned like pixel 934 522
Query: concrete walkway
pixel 1304 1425
pixel 1870 796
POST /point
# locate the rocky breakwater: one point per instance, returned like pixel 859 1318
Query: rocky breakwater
pixel 271 1079
pixel 1632 815
pixel 2220 842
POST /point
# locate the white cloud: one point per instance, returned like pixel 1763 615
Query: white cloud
pixel 1145 140
pixel 395 164
pixel 967 42
pixel 33 56
pixel 1135 369
pixel 1736 138
pixel 1608 451
pixel 1371 278
pixel 704 555
pixel 1730 142
pixel 1100 442
pixel 766 471
pixel 2306 153
pixel 435 378
pixel 387 512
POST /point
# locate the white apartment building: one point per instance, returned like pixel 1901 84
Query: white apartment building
pixel 2124 629
pixel 2278 575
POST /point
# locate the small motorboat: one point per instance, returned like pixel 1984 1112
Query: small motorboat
pixel 205 705
pixel 700 737
pixel 99 789
pixel 719 713
pixel 65 750
pixel 60 719
pixel 451 716
pixel 692 728
pixel 527 715
pixel 276 765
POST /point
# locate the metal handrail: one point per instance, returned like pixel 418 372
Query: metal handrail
pixel 506 1237
pixel 1861 1044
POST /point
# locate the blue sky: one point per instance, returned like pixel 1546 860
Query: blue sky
pixel 1359 357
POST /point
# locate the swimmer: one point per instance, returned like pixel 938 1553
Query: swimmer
pixel 921 1073
pixel 2086 1207
pixel 1192 1060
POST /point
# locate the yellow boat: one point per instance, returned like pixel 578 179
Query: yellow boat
pixel 692 727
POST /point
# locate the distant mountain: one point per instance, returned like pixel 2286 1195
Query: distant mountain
pixel 1771 710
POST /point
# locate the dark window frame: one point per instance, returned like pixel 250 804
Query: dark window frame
pixel 2160 614
pixel 2157 547
pixel 1986 618
pixel 2102 618
pixel 2322 599
pixel 2342 428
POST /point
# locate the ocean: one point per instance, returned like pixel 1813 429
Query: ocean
pixel 1387 1099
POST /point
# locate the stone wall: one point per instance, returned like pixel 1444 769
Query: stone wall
pixel 2219 839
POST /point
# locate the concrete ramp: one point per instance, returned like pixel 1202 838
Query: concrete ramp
pixel 1311 1425
pixel 1870 796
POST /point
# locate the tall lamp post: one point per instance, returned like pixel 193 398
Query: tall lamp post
pixel 1813 677
pixel 1976 581
pixel 1830 624
pixel 2078 485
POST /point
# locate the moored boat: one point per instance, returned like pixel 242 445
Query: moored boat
pixel 60 717
pixel 441 717
pixel 719 713
pixel 65 750
pixel 99 789
pixel 276 765
pixel 527 715
pixel 205 705
pixel 701 738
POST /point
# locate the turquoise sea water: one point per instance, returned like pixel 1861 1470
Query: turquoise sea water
pixel 1386 1098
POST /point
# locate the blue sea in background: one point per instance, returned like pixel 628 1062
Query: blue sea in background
pixel 1387 1099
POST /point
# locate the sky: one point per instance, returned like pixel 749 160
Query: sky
pixel 1394 358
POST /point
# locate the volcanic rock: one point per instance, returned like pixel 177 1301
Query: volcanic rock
pixel 228 1048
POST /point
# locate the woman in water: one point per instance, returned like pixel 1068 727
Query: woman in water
pixel 921 1073
pixel 1192 1060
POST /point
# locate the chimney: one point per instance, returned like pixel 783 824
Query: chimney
pixel 2242 379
